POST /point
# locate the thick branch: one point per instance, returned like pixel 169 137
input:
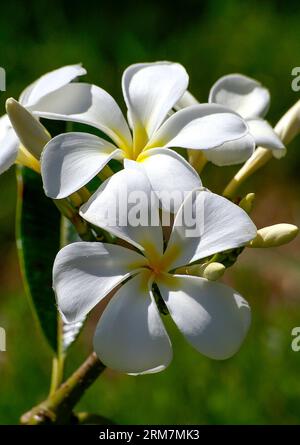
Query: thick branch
pixel 57 409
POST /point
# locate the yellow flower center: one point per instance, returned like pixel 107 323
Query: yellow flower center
pixel 139 145
pixel 160 264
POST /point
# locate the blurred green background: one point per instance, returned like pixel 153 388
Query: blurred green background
pixel 261 384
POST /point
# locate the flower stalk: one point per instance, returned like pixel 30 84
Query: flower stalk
pixel 287 129
pixel 58 408
pixel 70 213
pixel 197 159
pixel 58 361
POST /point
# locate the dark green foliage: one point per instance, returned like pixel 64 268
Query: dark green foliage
pixel 38 234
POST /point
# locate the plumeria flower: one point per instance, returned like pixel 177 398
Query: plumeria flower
pixel 251 100
pixel 150 90
pixel 10 148
pixel 130 335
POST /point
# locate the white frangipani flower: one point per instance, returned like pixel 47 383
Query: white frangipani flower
pixel 130 335
pixel 10 147
pixel 251 100
pixel 150 90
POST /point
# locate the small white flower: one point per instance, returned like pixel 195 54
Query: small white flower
pixel 29 98
pixel 150 90
pixel 251 100
pixel 130 335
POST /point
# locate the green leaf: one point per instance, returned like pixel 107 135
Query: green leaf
pixel 38 241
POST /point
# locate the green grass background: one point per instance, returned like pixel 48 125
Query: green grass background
pixel 261 384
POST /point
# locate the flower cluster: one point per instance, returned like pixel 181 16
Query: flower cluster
pixel 161 239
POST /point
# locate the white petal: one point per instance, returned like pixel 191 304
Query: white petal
pixel 207 224
pixel 49 82
pixel 151 90
pixel 186 100
pixel 84 273
pixel 202 126
pixel 231 153
pixel 130 336
pixel 69 161
pixel 9 144
pixel 170 175
pixel 213 318
pixel 264 134
pixel 88 104
pixel 124 206
pixel 242 94
pixel 278 154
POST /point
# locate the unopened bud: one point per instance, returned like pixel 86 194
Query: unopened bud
pixel 210 271
pixel 32 134
pixel 247 202
pixel 274 236
pixel 288 127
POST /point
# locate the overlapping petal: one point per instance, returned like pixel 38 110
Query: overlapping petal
pixel 125 206
pixel 186 100
pixel 264 135
pixel 207 224
pixel 202 126
pixel 88 104
pixel 213 318
pixel 9 141
pixel 130 336
pixel 150 91
pixel 84 273
pixel 242 94
pixel 50 82
pixel 69 161
pixel 170 175
pixel 233 152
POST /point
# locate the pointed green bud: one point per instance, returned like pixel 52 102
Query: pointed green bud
pixel 32 134
pixel 247 202
pixel 274 236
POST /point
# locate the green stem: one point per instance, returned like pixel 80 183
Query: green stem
pixel 81 226
pixel 92 419
pixel 58 408
pixel 259 158
pixel 58 361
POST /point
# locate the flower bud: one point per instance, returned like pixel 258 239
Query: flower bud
pixel 288 127
pixel 32 134
pixel 210 271
pixel 273 236
pixel 247 202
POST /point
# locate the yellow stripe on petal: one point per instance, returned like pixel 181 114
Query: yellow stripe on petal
pixel 168 280
pixel 170 256
pixel 140 139
pixel 146 280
